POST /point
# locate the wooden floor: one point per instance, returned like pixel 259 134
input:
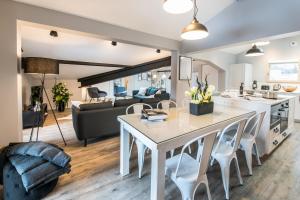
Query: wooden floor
pixel 95 173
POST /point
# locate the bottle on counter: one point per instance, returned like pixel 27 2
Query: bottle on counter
pixel 242 89
pixel 254 85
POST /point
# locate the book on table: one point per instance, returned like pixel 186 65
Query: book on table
pixel 154 115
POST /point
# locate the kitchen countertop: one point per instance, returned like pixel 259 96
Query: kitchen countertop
pixel 257 99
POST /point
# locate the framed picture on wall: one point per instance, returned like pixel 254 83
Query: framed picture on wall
pixel 185 68
pixel 139 77
pixel 144 76
pixel 149 76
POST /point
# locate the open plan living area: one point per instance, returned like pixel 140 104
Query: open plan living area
pixel 150 100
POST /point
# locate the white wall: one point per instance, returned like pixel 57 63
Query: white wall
pixel 219 58
pixel 29 80
pixel 10 118
pixel 10 80
pixel 277 50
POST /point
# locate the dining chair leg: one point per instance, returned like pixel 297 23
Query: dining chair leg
pixel 131 146
pixel 172 152
pixel 238 170
pixel 190 150
pixel 248 155
pixel 225 169
pixel 207 188
pixel 141 156
pixel 187 192
pixel 257 153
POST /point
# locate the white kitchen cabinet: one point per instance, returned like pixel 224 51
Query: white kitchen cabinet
pixel 240 73
pixel 269 137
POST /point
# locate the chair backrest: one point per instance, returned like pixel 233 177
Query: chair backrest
pixel 253 125
pixel 208 141
pixel 235 138
pixel 166 104
pixel 138 107
pixel 93 92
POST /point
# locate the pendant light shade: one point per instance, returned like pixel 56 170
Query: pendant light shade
pixel 194 31
pixel 177 6
pixel 254 51
pixel 35 65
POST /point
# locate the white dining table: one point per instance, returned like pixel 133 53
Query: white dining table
pixel 163 136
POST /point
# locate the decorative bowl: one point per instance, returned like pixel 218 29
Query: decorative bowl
pixel 289 88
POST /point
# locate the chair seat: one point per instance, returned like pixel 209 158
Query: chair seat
pixel 188 170
pixel 223 150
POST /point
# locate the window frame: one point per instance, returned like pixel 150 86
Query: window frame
pixel 282 81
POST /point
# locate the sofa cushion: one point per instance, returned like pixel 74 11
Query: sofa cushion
pixel 142 91
pixel 95 106
pixel 151 91
pixel 125 102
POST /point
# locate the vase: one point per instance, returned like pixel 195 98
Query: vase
pixel 201 109
pixel 61 107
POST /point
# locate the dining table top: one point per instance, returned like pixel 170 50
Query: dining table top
pixel 180 122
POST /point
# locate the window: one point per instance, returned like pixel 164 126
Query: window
pixel 284 72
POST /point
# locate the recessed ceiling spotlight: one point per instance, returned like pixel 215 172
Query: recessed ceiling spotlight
pixel 177 6
pixel 254 51
pixel 293 44
pixel 261 43
pixel 157 50
pixel 53 33
pixel 114 43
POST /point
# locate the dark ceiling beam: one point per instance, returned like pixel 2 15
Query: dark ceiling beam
pixel 121 73
pixel 72 62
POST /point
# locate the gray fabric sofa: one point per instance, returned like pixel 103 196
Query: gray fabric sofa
pixel 150 92
pixel 100 119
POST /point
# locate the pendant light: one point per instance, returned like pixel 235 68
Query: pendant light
pixel 177 6
pixel 195 30
pixel 254 51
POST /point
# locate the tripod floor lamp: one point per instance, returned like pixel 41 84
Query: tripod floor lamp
pixel 42 66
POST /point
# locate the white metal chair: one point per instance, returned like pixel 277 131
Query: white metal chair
pixel 165 105
pixel 141 148
pixel 225 151
pixel 247 143
pixel 188 173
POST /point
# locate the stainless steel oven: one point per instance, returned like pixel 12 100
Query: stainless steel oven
pixel 279 115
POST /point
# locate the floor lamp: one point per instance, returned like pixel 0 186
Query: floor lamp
pixel 43 66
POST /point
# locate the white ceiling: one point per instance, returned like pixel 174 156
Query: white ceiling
pixel 37 42
pixel 142 15
pixel 237 49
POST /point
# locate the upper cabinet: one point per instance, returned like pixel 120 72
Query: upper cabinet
pixel 240 73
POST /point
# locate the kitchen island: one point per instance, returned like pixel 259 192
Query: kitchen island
pixel 278 123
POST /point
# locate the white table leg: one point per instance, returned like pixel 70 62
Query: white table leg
pixel 124 151
pixel 157 175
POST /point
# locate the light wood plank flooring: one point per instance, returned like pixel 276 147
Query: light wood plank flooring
pixel 95 172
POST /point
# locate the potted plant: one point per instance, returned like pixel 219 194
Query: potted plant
pixel 61 96
pixel 201 98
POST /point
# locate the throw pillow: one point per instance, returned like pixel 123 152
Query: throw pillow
pixel 142 91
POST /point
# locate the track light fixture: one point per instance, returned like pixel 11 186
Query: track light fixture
pixel 114 43
pixel 53 33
